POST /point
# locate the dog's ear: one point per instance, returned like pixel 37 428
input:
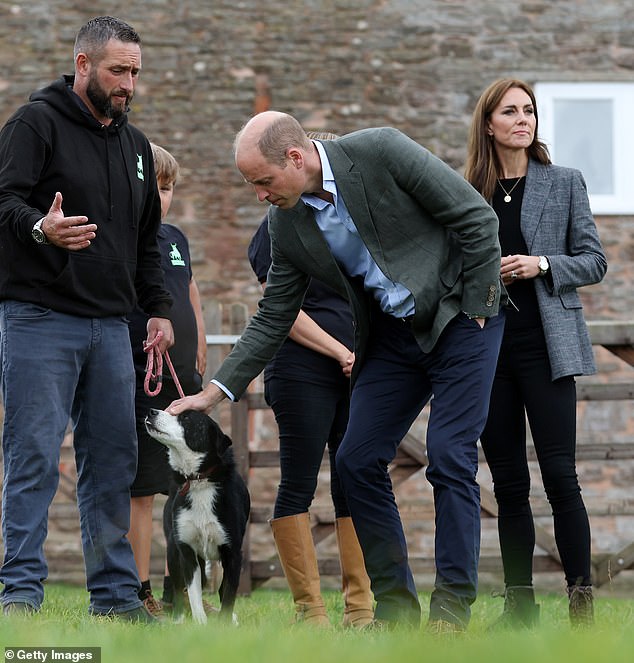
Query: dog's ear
pixel 224 442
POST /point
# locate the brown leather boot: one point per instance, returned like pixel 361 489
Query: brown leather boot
pixel 359 602
pixel 296 550
pixel 581 606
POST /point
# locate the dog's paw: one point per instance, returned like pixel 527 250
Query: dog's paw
pixel 199 617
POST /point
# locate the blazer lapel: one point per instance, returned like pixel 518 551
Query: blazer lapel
pixel 309 234
pixel 325 266
pixel 536 192
pixel 350 187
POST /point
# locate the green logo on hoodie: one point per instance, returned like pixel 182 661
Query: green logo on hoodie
pixel 176 257
pixel 139 167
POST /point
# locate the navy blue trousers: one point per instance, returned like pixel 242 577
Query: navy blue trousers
pixel 396 381
pixel 309 417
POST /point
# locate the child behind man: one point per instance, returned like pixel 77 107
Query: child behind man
pixel 188 355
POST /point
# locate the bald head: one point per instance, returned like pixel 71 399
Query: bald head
pixel 272 134
pixel 277 158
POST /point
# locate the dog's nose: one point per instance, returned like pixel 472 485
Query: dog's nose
pixel 154 411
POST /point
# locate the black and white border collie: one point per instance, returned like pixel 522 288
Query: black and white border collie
pixel 206 513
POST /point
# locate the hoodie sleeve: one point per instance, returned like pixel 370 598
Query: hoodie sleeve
pixel 19 174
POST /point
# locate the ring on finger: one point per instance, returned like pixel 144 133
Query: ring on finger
pixel 513 275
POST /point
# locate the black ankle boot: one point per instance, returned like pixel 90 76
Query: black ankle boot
pixel 520 609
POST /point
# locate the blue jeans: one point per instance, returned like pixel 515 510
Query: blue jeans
pixel 57 367
pixel 396 381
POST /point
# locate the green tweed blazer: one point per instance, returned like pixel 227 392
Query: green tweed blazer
pixel 424 225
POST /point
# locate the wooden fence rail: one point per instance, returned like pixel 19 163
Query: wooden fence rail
pixel 617 337
pixel 63 546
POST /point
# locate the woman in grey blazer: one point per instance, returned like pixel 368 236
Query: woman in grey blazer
pixel 550 247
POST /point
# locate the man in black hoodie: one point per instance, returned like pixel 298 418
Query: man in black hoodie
pixel 79 213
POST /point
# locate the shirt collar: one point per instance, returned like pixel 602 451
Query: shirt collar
pixel 327 183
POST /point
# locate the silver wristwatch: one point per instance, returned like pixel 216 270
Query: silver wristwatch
pixel 38 234
pixel 543 265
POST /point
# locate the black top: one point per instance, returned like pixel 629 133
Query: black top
pixel 105 173
pixel 176 264
pixel 326 307
pixel 522 291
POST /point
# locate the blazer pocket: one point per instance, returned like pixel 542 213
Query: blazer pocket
pixel 452 269
pixel 570 299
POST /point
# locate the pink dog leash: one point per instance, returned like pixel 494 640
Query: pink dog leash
pixel 154 367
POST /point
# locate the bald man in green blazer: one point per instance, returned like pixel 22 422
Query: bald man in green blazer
pixel 414 249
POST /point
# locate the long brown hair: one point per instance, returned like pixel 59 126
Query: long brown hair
pixel 483 168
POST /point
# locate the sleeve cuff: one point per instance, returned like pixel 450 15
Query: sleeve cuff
pixel 227 391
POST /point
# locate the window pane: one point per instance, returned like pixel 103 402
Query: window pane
pixel 584 129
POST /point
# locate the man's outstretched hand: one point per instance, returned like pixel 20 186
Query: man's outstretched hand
pixel 68 232
pixel 204 400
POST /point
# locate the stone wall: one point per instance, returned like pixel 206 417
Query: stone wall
pixel 341 65
pixel 416 64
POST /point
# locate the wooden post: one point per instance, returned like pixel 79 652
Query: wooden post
pixel 212 313
pixel 240 437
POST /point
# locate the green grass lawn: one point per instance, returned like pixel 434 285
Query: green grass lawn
pixel 266 635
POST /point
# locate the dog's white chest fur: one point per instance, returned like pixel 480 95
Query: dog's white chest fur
pixel 198 525
pixel 196 448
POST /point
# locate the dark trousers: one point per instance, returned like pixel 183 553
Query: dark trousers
pixel 523 389
pixel 396 381
pixel 309 417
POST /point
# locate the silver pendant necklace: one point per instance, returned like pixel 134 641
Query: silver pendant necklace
pixel 507 197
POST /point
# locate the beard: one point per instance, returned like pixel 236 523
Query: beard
pixel 102 101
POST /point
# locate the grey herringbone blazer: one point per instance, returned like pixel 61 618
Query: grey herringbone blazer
pixel 556 222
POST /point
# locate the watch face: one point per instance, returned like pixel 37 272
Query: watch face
pixel 38 236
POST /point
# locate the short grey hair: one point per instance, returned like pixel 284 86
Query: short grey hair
pixel 283 133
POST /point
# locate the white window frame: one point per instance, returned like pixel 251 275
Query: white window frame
pixel 621 200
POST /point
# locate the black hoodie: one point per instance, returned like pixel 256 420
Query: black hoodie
pixel 52 144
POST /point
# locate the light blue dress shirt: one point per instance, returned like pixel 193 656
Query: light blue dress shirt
pixel 349 251
pixel 348 248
